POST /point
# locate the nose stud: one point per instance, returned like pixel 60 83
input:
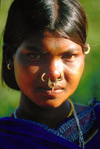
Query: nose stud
pixel 51 84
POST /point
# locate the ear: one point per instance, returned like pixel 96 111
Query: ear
pixel 86 48
pixel 8 50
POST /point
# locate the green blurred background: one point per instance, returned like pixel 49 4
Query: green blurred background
pixel 90 82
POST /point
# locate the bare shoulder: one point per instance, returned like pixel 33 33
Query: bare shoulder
pixel 79 107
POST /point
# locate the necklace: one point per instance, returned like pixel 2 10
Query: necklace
pixel 15 116
pixel 70 113
pixel 72 108
pixel 81 138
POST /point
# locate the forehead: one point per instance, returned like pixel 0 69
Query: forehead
pixel 49 41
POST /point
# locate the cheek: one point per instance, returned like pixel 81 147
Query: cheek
pixel 33 70
pixel 25 75
pixel 74 72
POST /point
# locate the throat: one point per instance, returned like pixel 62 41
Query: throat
pixel 50 117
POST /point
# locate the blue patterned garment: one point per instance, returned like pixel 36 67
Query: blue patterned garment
pixel 18 133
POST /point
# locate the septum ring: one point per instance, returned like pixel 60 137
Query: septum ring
pixel 51 84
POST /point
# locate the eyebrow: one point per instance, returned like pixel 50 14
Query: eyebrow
pixel 34 48
pixel 70 50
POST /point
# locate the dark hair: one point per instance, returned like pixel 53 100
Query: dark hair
pixel 65 17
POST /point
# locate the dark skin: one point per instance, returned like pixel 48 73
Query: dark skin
pixel 50 117
pixel 50 54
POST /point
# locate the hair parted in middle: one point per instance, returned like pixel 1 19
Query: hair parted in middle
pixel 64 17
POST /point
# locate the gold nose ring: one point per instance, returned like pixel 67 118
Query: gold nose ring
pixel 51 84
pixel 61 76
pixel 42 77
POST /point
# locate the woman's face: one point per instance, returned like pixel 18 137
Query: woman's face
pixel 51 55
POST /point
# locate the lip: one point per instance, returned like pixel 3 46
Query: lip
pixel 46 91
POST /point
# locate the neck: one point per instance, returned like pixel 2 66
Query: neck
pixel 48 116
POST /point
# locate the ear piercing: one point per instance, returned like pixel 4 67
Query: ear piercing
pixel 88 49
pixel 9 66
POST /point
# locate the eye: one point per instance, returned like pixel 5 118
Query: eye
pixel 69 57
pixel 34 56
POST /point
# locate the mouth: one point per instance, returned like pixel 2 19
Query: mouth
pixel 46 91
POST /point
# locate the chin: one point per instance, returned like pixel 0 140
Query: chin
pixel 50 105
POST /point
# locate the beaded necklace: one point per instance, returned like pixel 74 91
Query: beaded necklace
pixel 72 111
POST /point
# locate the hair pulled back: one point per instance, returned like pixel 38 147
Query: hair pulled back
pixel 65 17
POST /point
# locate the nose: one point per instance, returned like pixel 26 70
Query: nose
pixel 54 70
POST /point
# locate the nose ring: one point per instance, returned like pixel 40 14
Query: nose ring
pixel 61 76
pixel 42 77
pixel 51 84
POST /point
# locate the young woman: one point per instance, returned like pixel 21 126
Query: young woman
pixel 43 57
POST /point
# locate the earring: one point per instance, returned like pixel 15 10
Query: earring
pixel 88 49
pixel 9 66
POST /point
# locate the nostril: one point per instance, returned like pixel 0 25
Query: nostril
pixel 61 77
pixel 53 77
